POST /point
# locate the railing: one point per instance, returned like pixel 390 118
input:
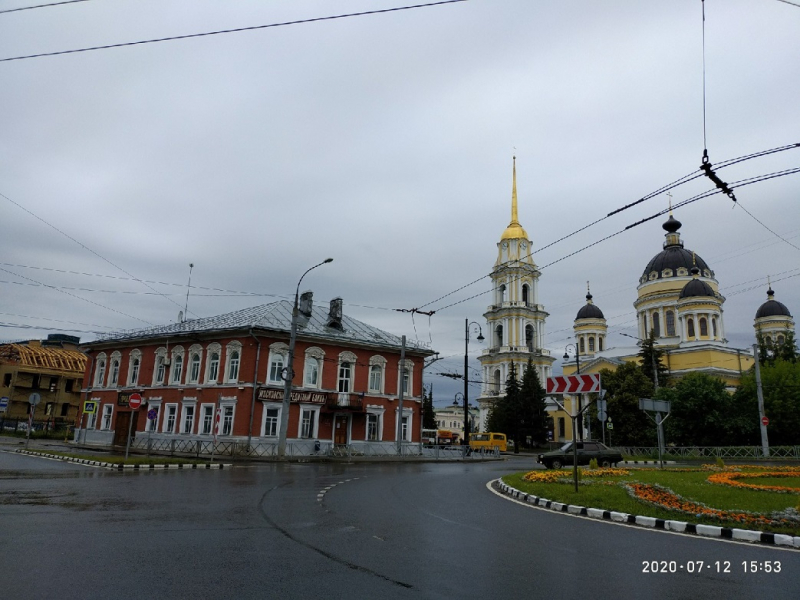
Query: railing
pixel 712 452
pixel 534 351
pixel 307 448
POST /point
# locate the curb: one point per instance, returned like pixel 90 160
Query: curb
pixel 742 535
pixel 121 467
pixel 647 462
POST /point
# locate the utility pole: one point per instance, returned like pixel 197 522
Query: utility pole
pixel 400 398
pixel 761 415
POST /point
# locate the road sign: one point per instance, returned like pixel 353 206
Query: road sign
pixel 574 384
pixel 4 403
pixel 765 421
pixel 90 407
pixel 661 406
pixel 34 398
pixel 135 401
pixel 152 414
pixel 609 425
pixel 601 415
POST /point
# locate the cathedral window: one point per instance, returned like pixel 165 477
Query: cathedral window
pixel 582 346
pixel 600 343
pixel 703 327
pixel 529 337
pixel 496 382
pixel 714 326
pixel 656 325
pixel 670 323
pixel 525 294
pixel 690 327
pixel 499 335
pixel 591 344
pixel 780 339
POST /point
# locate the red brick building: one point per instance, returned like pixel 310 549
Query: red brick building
pixel 231 367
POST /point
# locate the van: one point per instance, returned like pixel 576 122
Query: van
pixel 488 441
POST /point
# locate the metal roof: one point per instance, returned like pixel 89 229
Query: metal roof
pixel 276 316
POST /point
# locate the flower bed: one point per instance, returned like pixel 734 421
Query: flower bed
pixel 732 478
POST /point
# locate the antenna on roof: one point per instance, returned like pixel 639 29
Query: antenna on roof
pixel 185 312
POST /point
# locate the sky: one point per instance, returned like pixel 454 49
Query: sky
pixel 385 141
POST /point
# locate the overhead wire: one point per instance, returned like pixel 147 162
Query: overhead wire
pixel 234 30
pixel 11 10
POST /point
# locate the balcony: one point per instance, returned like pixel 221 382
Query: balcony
pixel 525 349
pixel 345 401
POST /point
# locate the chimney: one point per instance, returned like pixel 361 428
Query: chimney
pixel 335 314
pixel 306 303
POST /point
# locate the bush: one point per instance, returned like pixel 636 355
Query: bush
pixel 720 462
pixel 593 463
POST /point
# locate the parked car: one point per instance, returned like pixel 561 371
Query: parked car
pixel 587 450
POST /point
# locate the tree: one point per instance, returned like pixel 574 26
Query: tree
pixel 780 383
pixel 701 412
pixel 623 388
pixel 770 350
pixel 533 416
pixel 651 356
pixel 504 415
pixel 428 414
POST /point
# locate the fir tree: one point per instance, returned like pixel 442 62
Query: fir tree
pixel 428 414
pixel 534 417
pixel 651 356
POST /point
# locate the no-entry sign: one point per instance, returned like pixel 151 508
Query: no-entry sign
pixel 765 421
pixel 135 401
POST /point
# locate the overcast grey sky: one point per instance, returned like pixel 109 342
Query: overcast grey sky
pixel 385 142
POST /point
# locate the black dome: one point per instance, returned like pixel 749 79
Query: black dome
pixel 674 257
pixel 590 311
pixel 772 308
pixel 695 288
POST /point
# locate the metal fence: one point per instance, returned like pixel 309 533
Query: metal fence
pixel 20 425
pixel 307 448
pixel 712 452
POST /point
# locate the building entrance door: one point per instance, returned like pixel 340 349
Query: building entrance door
pixel 121 428
pixel 340 430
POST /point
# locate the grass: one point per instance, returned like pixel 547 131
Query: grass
pixel 609 493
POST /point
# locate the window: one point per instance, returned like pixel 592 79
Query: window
pixel 714 326
pixel 703 327
pixel 582 345
pixel 65 409
pixel 213 367
pixel 100 372
pixel 312 372
pixel 227 420
pixel 690 327
pixel 108 411
pixel 496 382
pixel 133 377
pixel 271 421
pixel 233 367
pixel 160 370
pixel 562 427
pixel 188 418
pixel 344 377
pixel 375 378
pixel 529 336
pixel 405 426
pixel 600 344
pixel 152 424
pixel 169 418
pixel 373 427
pixel 525 294
pixel 114 373
pixel 406 380
pixel 177 368
pixel 656 324
pixel 7 380
pixel 780 339
pixel 591 344
pixel 308 423
pixel 498 335
pixel 194 368
pixel 670 323
pixel 276 369
pixel 207 412
pixel 91 418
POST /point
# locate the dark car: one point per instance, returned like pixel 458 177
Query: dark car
pixel 587 450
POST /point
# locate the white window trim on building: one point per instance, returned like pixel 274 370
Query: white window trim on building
pixel 408 413
pixel 314 433
pixel 409 366
pixel 160 355
pixel 114 368
pixel 153 404
pixel 349 358
pixel 380 362
pixel 133 367
pixel 195 360
pixel 187 404
pixel 100 369
pixel 177 369
pixel 226 403
pixel 278 358
pixel 212 374
pixel 170 412
pixel 91 419
pixel 204 410
pixel 232 360
pixel 106 420
pixel 376 411
pixel 270 406
pixel 319 355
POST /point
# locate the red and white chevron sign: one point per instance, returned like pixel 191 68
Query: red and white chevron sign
pixel 574 384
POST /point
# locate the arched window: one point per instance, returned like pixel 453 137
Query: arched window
pixel 498 332
pixel 591 344
pixel 714 326
pixel 213 367
pixel 670 323
pixel 177 368
pixel 345 373
pixel 114 378
pixel 375 378
pixel 233 366
pixel 656 325
pixel 525 290
pixel 133 378
pixel 600 343
pixel 781 339
pixel 703 327
pixel 582 345
pixel 312 372
pixel 502 290
pixel 496 382
pixel 690 327
pixel 100 372
pixel 529 334
pixel 194 368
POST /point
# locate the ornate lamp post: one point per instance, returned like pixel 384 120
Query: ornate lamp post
pixel 480 338
pixel 288 372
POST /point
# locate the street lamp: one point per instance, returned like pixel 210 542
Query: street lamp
pixel 480 338
pixel 288 372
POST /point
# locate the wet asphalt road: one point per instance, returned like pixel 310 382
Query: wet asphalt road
pixel 334 531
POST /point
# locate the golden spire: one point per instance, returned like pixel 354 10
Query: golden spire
pixel 514 229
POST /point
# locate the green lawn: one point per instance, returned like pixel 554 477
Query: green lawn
pixel 607 493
